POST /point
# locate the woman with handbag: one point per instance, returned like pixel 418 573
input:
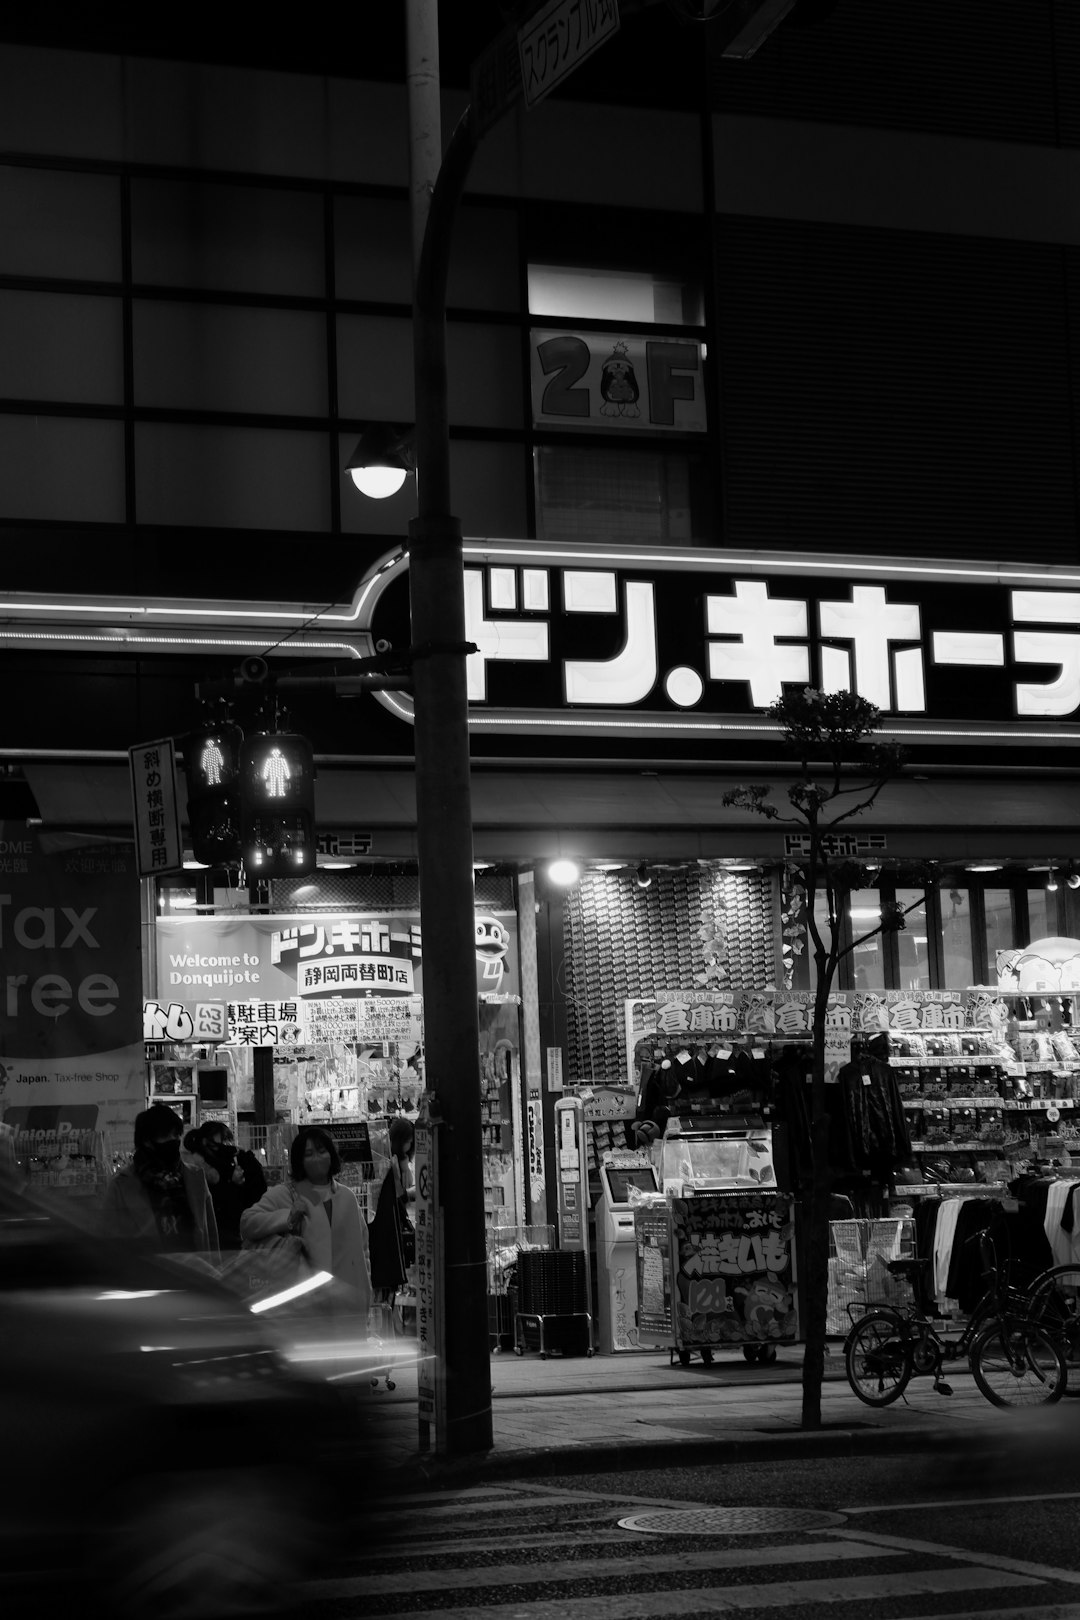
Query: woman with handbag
pixel 323 1214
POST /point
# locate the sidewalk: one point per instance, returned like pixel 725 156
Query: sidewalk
pixel 576 1414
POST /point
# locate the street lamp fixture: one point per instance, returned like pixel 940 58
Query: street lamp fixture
pixel 384 456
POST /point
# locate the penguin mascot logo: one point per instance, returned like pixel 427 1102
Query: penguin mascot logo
pixel 618 384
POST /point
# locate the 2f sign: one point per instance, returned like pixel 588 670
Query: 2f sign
pixel 631 383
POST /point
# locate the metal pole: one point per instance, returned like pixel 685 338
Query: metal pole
pixel 444 831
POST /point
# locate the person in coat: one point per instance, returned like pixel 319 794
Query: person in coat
pixel 159 1198
pixel 324 1214
pixel 235 1177
pixel 392 1237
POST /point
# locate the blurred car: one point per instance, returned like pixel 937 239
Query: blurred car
pixel 158 1444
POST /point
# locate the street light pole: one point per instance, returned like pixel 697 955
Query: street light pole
pixel 443 794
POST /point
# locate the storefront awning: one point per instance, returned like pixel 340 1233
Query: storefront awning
pixel 525 813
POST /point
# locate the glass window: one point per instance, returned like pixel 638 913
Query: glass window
pixel 256 478
pixel 61 347
pixel 1000 928
pixel 62 468
pixel 484 371
pixel 571 293
pixel 373 250
pixel 956 938
pixel 867 958
pixel 237 238
pixel 912 943
pixel 218 357
pixel 375 368
pixel 1042 914
pixel 607 494
pixel 56 224
pixel 374 254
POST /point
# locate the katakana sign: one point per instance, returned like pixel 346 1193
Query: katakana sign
pixel 626 640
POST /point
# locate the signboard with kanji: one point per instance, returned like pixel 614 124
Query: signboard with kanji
pixel 158 847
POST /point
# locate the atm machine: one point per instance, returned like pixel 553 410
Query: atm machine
pixel 616 1263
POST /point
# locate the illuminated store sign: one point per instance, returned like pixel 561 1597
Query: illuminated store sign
pixel 630 639
pixel 635 641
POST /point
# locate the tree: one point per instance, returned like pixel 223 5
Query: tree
pixel 841 772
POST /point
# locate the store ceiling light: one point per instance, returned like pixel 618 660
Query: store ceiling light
pixel 984 866
pixel 643 877
pixel 196 866
pixel 1073 877
pixel 564 873
pixel 1052 882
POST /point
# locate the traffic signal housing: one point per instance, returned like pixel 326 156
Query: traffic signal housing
pixel 277 805
pixel 212 769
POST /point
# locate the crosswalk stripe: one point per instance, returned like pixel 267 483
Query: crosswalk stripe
pixel 580 1569
pixel 957 1502
pixel 1017 1566
pixel 425 1498
pixel 874 1588
pixel 503 1504
pixel 1050 1611
pixel 450 1542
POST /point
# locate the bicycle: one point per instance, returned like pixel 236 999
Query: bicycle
pixel 1014 1360
pixel 1054 1302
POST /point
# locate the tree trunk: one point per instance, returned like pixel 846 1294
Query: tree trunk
pixel 816 1292
pixel 816 1227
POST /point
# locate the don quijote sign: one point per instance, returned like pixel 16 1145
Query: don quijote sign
pixel 625 640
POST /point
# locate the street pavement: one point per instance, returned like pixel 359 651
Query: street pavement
pixel 578 1413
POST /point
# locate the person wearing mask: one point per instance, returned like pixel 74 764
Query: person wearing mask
pixel 322 1213
pixel 235 1177
pixel 392 1235
pixel 157 1197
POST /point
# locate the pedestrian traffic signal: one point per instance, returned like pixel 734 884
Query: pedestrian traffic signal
pixel 212 769
pixel 277 805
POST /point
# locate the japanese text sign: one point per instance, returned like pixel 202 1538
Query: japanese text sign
pixel 157 815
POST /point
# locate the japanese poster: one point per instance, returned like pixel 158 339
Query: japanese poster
pixel 734 1257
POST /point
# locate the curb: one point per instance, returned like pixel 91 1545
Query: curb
pixel 421 1470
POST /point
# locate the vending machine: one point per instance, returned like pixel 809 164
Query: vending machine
pixel 616 1258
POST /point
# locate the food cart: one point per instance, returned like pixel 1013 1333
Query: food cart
pixel 715 1247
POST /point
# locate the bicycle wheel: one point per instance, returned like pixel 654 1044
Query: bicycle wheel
pixel 877 1359
pixel 1054 1303
pixel 1017 1364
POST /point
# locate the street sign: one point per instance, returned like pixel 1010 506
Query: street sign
pixel 558 39
pixel 157 816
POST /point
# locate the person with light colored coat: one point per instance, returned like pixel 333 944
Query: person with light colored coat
pixel 323 1214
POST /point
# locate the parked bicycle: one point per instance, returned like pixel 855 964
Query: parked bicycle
pixel 1015 1359
pixel 1054 1303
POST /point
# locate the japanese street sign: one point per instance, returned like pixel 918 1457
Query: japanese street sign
pixel 157 813
pixel 558 39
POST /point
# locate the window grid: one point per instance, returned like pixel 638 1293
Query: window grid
pixel 328 424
